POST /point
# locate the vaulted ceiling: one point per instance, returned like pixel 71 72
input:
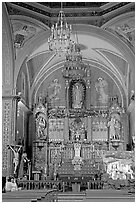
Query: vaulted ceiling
pixel 93 13
pixel 104 30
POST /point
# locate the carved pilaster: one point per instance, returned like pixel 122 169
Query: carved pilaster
pixel 67 94
pixel 89 132
pixel 66 129
pixel 88 87
pixel 8 132
pixel 125 130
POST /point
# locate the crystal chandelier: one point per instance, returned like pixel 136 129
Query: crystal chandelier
pixel 60 38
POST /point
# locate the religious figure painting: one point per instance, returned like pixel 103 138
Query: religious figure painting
pixel 54 90
pixel 101 87
pixel 22 35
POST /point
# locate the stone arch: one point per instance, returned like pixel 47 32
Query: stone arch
pixel 81 29
pixel 59 66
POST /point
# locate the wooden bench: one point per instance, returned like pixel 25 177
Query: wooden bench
pixel 108 196
pixel 28 196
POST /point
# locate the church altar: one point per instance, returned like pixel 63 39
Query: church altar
pixel 79 140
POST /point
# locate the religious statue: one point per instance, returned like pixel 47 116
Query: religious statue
pixel 15 151
pixel 77 148
pixel 77 160
pixel 77 136
pixel 115 128
pixel 77 96
pixel 26 163
pixel 41 125
pixel 111 125
pixel 101 88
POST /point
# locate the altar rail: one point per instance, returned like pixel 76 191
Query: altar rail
pixel 66 184
pixel 34 185
pixel 59 185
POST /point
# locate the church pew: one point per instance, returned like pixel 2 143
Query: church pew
pixel 108 196
pixel 28 195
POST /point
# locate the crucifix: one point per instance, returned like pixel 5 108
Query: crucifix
pixel 15 149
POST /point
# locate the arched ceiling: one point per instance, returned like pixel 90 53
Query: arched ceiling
pixel 99 45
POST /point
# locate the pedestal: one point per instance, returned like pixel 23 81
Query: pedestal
pixel 75 187
pixel 36 175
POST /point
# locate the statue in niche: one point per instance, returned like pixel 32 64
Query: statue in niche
pixel 41 125
pixel 101 87
pixel 111 124
pixel 114 129
pixel 77 136
pixel 117 129
pixel 77 95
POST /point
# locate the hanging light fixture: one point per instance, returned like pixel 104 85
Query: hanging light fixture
pixel 60 38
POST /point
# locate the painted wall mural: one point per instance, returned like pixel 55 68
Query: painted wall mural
pixel 125 29
pixel 54 90
pixel 23 34
pixel 101 86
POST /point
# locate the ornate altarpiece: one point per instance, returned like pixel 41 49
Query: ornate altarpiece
pixel 75 131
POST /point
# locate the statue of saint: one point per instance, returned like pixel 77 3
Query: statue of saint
pixel 16 156
pixel 77 96
pixel 26 163
pixel 41 125
pixel 115 129
pixel 111 125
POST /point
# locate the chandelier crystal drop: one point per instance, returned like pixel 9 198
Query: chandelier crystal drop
pixel 61 32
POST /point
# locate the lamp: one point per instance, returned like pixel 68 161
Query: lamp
pixel 60 38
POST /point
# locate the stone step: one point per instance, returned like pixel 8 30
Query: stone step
pixel 71 197
pixel 96 196
pixel 70 200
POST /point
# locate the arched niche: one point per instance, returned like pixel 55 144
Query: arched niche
pixel 77 94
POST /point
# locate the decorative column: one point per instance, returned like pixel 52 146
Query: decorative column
pixel 88 90
pixel 67 94
pixel 8 102
pixel 66 127
pixel 131 116
pixel 88 103
pixel 125 130
pixel 40 147
pixel 9 108
pixel 89 132
pixel 66 119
